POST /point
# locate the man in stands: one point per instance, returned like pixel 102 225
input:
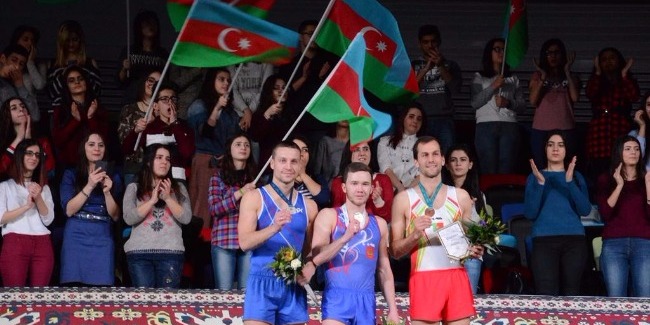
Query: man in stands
pixel 12 64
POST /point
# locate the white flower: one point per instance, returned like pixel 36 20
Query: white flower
pixel 497 239
pixel 295 264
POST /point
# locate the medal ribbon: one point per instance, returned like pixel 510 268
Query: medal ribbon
pixel 428 199
pixel 284 198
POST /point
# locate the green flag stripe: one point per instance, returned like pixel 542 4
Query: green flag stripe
pixel 330 107
pixel 197 55
pixel 517 43
pixel 254 11
pixel 331 38
pixel 177 14
pixel 361 129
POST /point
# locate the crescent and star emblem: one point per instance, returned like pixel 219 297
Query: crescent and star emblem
pixel 381 45
pixel 221 39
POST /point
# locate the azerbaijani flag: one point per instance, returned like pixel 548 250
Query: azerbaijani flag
pixel 340 97
pixel 218 35
pixel 516 33
pixel 178 9
pixel 388 73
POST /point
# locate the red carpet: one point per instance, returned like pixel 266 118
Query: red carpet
pixel 149 306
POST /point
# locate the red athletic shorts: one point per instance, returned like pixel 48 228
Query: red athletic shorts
pixel 443 295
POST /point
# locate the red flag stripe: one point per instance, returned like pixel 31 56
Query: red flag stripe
pixel 516 11
pixel 346 83
pixel 351 23
pixel 205 33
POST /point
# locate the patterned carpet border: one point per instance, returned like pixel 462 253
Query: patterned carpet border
pixel 139 296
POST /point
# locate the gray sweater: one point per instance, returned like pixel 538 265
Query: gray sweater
pixel 484 103
pixel 158 231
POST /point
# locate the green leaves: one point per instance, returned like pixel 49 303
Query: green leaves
pixel 485 232
pixel 287 264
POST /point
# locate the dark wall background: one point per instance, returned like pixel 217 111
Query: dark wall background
pixel 586 26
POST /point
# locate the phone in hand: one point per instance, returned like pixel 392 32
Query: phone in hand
pixel 105 166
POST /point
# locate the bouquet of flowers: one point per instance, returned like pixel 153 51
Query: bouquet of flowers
pixel 287 265
pixel 485 232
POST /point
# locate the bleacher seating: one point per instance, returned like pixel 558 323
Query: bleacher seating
pixel 582 110
pixel 112 94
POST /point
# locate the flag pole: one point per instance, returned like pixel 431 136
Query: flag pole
pixel 505 48
pixel 128 35
pixel 232 80
pixel 162 75
pixel 288 84
pixel 302 55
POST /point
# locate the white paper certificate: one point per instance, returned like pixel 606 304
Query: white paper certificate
pixel 454 241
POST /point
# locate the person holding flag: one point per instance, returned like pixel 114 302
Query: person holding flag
pixel 497 97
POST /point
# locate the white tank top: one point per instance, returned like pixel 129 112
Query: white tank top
pixel 428 256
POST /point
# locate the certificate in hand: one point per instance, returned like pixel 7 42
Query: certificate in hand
pixel 454 241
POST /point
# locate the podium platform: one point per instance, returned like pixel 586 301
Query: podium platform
pixel 53 305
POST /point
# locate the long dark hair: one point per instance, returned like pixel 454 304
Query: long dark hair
pixel 81 177
pixel 346 158
pixel 604 78
pixel 208 94
pixel 227 171
pixel 142 18
pixel 18 171
pixel 471 180
pixel 487 65
pixel 562 134
pixel 142 85
pixel 543 57
pixel 309 169
pixel 399 126
pixel 146 175
pixel 7 132
pixel 66 97
pixel 617 159
pixel 266 96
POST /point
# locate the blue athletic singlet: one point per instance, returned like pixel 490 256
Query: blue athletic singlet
pixel 355 264
pixel 268 298
pixel 293 232
pixel 349 295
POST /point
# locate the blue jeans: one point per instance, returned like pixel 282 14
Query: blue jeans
pixel 227 263
pixel 497 147
pixel 443 129
pixel 624 259
pixel 473 268
pixel 155 270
